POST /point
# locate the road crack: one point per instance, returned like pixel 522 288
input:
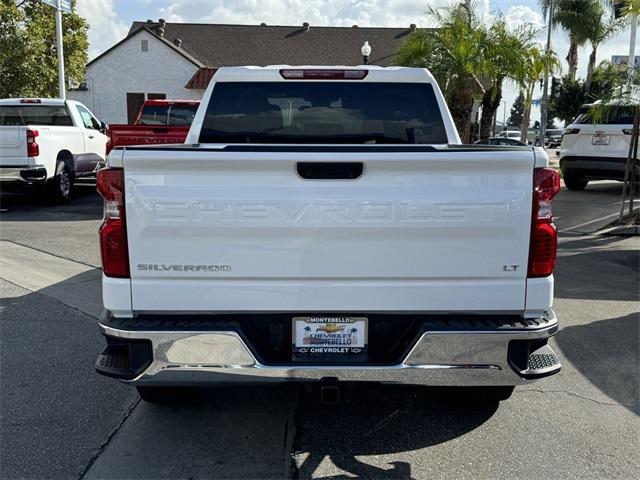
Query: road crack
pixel 608 404
pixel 105 444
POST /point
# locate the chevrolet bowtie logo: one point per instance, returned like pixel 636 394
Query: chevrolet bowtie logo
pixel 331 328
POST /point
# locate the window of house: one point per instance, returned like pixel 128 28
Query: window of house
pixel 144 45
pixel 134 102
pixel 156 96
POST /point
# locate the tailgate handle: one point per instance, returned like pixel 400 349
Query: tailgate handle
pixel 330 170
pixel 160 130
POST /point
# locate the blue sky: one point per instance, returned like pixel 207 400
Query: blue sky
pixel 110 20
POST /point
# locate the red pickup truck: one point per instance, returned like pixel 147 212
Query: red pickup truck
pixel 158 122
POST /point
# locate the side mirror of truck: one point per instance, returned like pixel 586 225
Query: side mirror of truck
pixel 104 126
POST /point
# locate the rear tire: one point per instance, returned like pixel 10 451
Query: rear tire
pixel 572 182
pixel 59 187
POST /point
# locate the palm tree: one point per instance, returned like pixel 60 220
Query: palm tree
pixel 453 53
pixel 574 16
pixel 535 64
pixel 601 29
pixel 504 57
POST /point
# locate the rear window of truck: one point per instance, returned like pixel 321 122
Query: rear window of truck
pixel 319 112
pixel 168 114
pixel 47 115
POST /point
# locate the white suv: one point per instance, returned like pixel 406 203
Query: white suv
pixel 595 151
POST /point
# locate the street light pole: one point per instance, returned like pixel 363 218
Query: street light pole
pixel 631 62
pixel 504 116
pixel 545 89
pixel 61 86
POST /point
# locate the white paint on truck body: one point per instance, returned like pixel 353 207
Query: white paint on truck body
pixel 212 230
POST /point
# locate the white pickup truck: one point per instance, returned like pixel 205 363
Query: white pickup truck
pixel 323 224
pixel 49 143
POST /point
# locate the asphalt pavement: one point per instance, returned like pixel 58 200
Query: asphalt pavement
pixel 58 419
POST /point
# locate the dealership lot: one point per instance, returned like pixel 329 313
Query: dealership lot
pixel 61 420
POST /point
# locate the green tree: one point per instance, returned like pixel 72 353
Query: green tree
pixel 536 62
pixel 517 111
pixel 570 98
pixel 551 117
pixel 503 59
pixel 575 17
pixel 601 28
pixel 453 53
pixel 28 57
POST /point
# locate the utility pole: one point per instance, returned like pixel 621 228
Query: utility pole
pixel 504 116
pixel 61 85
pixel 631 62
pixel 545 89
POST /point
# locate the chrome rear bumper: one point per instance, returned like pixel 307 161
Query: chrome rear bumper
pixel 23 174
pixel 438 358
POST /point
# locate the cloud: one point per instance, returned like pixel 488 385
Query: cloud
pixel 518 15
pixel 104 27
pixel 381 13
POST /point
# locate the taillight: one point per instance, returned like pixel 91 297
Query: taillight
pixel 544 236
pixel 113 231
pixel 33 150
pixel 317 74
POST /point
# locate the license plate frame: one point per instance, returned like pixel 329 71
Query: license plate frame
pixel 326 336
pixel 600 140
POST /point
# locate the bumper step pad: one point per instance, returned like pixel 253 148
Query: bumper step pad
pixel 541 363
pixel 124 359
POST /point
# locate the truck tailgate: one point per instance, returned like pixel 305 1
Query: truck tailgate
pixel 240 230
pixel 13 148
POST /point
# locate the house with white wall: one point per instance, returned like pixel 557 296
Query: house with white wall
pixel 177 60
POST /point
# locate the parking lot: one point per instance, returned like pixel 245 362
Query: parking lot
pixel 61 420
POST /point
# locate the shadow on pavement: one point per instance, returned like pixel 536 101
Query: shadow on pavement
pixel 247 432
pixel 382 420
pixel 55 406
pixel 55 412
pixel 592 271
pixel 606 352
pixel 27 205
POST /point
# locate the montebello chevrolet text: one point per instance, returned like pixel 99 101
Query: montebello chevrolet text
pixel 323 224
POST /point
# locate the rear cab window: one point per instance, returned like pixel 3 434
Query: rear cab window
pixel 168 114
pixel 323 112
pixel 45 115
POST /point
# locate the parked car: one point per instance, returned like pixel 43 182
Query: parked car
pixel 553 137
pixel 510 134
pixel 49 143
pixel 306 233
pixel 595 151
pixel 158 122
pixel 502 141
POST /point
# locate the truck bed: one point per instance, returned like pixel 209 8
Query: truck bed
pixel 126 135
